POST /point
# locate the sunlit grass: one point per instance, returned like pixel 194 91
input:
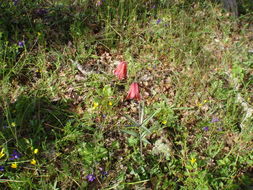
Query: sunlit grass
pixel 68 120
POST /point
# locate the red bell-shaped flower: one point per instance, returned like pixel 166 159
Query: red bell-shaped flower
pixel 121 70
pixel 134 92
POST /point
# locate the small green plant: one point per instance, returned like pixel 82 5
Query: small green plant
pixel 140 125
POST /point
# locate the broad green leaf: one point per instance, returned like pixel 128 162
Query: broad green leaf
pixel 130 133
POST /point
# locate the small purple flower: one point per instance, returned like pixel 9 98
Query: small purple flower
pixel 41 12
pixel 21 44
pixel 1 168
pixel 153 7
pixel 220 129
pixel 99 2
pixel 215 119
pixel 6 126
pixel 158 21
pixel 104 173
pixel 15 155
pixel 91 177
pixel 206 128
pixel 15 2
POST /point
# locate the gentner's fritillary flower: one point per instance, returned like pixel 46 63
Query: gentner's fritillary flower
pixel 121 70
pixel 91 177
pixel 134 92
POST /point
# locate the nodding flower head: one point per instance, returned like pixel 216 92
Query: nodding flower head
pixel 121 70
pixel 134 92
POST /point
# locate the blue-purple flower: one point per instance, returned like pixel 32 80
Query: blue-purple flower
pixel 15 2
pixel 21 44
pixel 91 177
pixel 104 174
pixel 99 2
pixel 158 21
pixel 206 128
pixel 6 126
pixel 1 168
pixel 15 155
pixel 215 119
pixel 41 12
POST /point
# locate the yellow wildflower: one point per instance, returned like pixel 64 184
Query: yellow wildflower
pixel 164 122
pixel 110 103
pixel 95 105
pixel 193 160
pixel 13 124
pixel 199 104
pixel 33 162
pixel 2 153
pixel 35 151
pixel 39 33
pixel 14 165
